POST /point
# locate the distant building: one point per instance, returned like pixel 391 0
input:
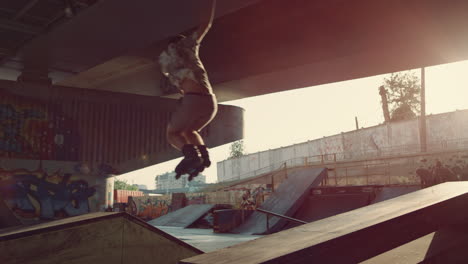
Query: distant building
pixel 167 181
pixel 142 187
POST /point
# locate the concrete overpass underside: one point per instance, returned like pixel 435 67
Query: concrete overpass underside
pixel 254 47
pixel 82 98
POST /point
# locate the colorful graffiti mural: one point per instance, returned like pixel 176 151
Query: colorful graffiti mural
pixel 37 195
pixel 37 132
pixel 197 198
pixel 251 199
pixel 246 197
pixel 149 207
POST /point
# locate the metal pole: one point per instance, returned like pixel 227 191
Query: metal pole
pixel 268 213
pixel 286 170
pixel 336 177
pixel 367 174
pixel 383 95
pixel 422 124
pixel 268 222
pixel 346 175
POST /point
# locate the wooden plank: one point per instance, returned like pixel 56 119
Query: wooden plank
pixel 356 235
pixel 24 231
pixel 7 217
pixel 93 238
pixel 99 242
pixel 183 217
pixel 286 200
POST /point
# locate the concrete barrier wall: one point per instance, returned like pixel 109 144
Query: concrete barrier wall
pixel 446 131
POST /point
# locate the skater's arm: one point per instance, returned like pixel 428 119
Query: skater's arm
pixel 206 23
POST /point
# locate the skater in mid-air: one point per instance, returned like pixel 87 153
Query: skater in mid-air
pixel 181 64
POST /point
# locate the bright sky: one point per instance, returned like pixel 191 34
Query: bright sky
pixel 282 119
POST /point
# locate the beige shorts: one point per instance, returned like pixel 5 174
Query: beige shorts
pixel 195 112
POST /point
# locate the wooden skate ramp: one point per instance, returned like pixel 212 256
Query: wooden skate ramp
pixel 286 200
pixel 7 218
pixel 93 238
pixel 357 235
pixel 447 245
pixel 392 192
pixel 183 217
pixel 322 206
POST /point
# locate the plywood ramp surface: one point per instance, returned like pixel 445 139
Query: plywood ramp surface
pixel 286 200
pixel 183 217
pixel 7 217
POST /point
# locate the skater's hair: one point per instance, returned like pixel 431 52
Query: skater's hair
pixel 176 39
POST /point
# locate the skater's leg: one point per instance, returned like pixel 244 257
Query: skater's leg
pixel 205 155
pixel 191 162
pixel 175 137
pixel 196 112
pixel 193 137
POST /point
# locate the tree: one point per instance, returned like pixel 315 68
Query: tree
pixel 403 90
pixel 237 149
pixel 123 185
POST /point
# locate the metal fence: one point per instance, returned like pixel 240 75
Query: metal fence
pixel 390 166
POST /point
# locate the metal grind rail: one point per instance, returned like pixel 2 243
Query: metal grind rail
pixel 268 214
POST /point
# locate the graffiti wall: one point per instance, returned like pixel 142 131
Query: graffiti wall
pixel 38 195
pixel 442 168
pixel 251 199
pixel 150 207
pixel 35 131
pixel 245 196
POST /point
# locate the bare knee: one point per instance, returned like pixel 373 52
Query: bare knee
pixel 193 137
pixel 173 134
pixel 175 138
pixel 188 133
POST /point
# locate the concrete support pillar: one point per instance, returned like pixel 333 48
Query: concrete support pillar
pixel 100 195
pixel 36 65
pixel 104 196
pixel 110 191
pixel 31 74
